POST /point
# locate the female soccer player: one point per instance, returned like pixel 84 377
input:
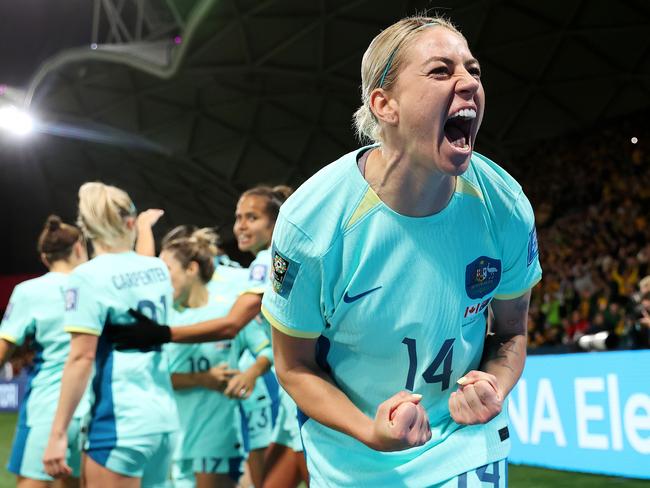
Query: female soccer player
pixel 255 217
pixel 134 419
pixel 384 265
pixel 35 312
pixel 209 450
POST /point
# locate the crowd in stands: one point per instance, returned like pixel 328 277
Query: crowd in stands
pixel 591 196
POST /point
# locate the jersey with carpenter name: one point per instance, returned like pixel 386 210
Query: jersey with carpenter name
pixel 35 312
pixel 396 303
pixel 132 388
pixel 207 416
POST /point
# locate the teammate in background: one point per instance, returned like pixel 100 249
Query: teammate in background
pixel 255 217
pixel 209 451
pixel 35 312
pixel 384 265
pixel 133 421
pixel 246 308
pixel 259 404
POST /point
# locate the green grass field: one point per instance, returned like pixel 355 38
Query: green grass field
pixel 520 476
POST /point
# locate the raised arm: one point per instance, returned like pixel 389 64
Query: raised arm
pixel 145 243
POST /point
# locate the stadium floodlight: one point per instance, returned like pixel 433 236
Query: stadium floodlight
pixel 15 121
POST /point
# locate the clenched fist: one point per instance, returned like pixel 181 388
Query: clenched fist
pixel 477 400
pixel 400 423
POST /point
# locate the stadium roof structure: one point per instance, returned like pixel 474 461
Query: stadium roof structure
pixel 185 104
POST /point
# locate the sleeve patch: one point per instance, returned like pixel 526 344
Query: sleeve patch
pixel 284 273
pixel 259 272
pixel 8 311
pixel 71 296
pixel 533 249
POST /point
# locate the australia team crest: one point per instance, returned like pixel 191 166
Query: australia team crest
pixel 482 276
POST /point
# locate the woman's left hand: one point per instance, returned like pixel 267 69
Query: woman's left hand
pixel 477 400
pixel 240 386
pixel 54 458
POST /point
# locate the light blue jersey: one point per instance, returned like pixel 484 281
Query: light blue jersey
pixel 133 393
pixel 207 417
pixel 398 303
pixel 35 311
pixel 259 273
pixel 286 430
pixel 227 284
pixel 250 343
pixel 233 275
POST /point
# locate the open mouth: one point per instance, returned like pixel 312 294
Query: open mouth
pixel 458 128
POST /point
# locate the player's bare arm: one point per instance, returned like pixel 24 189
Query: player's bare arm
pixel 481 393
pixel 400 422
pixel 242 312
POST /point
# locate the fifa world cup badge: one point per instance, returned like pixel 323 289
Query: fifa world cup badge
pixel 284 273
pixel 280 266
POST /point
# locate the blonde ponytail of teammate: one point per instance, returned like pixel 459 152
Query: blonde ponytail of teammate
pixel 104 212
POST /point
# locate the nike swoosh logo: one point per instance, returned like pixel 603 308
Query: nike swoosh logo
pixel 349 299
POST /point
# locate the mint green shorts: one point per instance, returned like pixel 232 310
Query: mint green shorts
pixel 256 427
pixel 147 457
pixel 29 445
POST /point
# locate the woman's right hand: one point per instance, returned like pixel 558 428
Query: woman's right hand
pixel 400 423
pixel 54 457
pixel 148 218
pixel 217 377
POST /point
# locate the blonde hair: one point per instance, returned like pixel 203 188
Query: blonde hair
pixel 103 210
pixel 381 64
pixel 200 247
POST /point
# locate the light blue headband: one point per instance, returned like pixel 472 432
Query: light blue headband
pixel 392 55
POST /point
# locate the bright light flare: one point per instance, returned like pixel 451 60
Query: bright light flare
pixel 634 140
pixel 15 121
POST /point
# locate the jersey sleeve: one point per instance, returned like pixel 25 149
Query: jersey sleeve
pixel 259 275
pixel 521 268
pixel 84 312
pixel 256 342
pixel 18 321
pixel 294 304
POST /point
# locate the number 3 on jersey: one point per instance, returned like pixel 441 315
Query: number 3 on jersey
pixel 444 357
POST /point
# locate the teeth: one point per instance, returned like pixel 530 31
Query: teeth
pixel 466 113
